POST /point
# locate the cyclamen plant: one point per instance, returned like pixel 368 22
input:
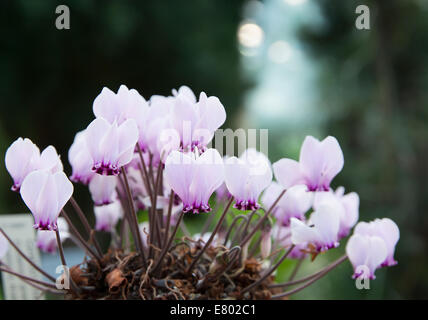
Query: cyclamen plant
pixel 149 160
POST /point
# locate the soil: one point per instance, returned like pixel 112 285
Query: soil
pixel 219 275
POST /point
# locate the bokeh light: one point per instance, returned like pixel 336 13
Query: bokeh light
pixel 280 52
pixel 250 35
pixel 295 2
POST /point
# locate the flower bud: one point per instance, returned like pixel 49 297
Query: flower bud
pixel 266 243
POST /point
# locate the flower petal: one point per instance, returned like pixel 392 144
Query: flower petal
pixel 50 160
pixel 64 190
pixel 296 201
pixel 211 112
pixel 94 135
pixel 351 201
pixel 80 160
pixel 103 189
pixel 366 251
pixel 326 219
pixel 184 118
pixel 107 216
pixel 22 157
pixel 106 105
pixel 209 175
pixel 312 161
pixel 46 204
pixel 288 173
pixel 31 188
pixel 186 91
pixel 236 177
pixel 302 233
pixel 390 233
pixel 179 172
pixel 333 159
pixel 260 174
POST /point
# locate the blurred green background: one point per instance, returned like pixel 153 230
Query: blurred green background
pixel 296 67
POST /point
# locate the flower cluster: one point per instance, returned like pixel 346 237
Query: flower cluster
pixel 154 156
pixel 40 180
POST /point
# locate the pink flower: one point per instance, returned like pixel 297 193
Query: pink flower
pixel 137 186
pixel 194 178
pixel 185 91
pixel 246 177
pixel 348 205
pixel 319 163
pixel 282 236
pixel 321 231
pixel 45 194
pixel 152 118
pixel 162 203
pixel 294 203
pixel 50 160
pixel 157 135
pixel 366 254
pixel 80 160
pixel 46 239
pixel 126 104
pixel 103 189
pixel 161 140
pixel 111 146
pixel 23 157
pixel 107 216
pixel 211 115
pixel 136 164
pixel 222 193
pixel 387 230
pixel 196 122
pixel 175 213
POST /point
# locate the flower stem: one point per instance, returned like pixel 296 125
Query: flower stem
pixel 255 247
pixel 156 229
pixel 261 220
pixel 133 222
pixel 145 175
pixel 79 238
pixel 252 214
pixel 304 279
pixel 269 272
pixel 24 277
pixel 232 225
pixel 296 269
pixel 184 229
pixel 208 243
pixel 168 218
pixel 85 223
pixel 43 289
pixel 152 178
pixel 167 246
pixel 148 185
pixel 26 258
pixel 60 248
pixel 319 275
pixel 123 233
pixel 64 263
pixel 239 232
pixel 208 222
